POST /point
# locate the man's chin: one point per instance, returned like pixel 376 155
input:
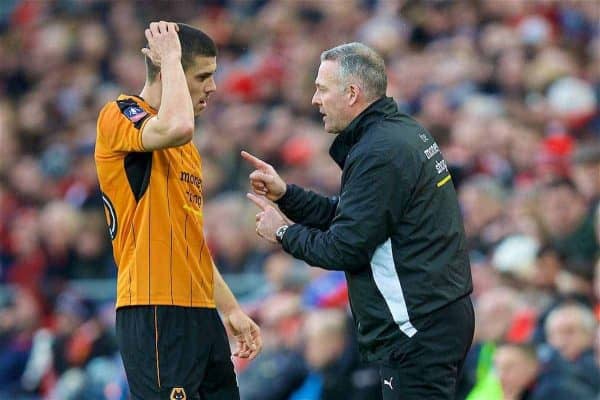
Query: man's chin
pixel 331 129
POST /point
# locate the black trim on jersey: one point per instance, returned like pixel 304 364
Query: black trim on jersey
pixel 137 168
pixel 112 216
pixel 125 104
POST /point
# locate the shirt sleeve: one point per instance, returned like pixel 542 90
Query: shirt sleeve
pixel 307 207
pixel 378 188
pixel 120 126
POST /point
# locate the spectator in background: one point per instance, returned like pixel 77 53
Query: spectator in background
pixel 548 265
pixel 570 330
pixel 569 228
pixel 495 312
pixel 79 335
pixel 586 164
pixel 280 370
pixel 331 357
pixel 18 322
pixel 523 376
pixel 482 201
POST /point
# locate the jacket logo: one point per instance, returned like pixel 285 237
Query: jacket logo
pixel 388 382
pixel 178 393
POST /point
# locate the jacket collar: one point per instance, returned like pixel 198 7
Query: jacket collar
pixel 346 139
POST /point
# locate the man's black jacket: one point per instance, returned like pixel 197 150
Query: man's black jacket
pixel 395 229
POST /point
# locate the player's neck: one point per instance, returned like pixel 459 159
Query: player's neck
pixel 151 93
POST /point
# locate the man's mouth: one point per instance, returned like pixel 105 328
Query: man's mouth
pixel 202 103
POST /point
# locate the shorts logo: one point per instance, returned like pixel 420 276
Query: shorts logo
pixel 388 382
pixel 178 393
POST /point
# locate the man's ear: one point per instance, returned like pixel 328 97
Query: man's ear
pixel 353 94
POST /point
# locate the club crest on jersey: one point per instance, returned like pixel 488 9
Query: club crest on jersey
pixel 178 393
pixel 134 113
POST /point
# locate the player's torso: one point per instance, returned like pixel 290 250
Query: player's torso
pixel 153 204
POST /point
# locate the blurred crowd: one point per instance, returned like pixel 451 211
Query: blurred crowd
pixel 510 89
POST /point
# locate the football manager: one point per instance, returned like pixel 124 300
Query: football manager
pixel 395 229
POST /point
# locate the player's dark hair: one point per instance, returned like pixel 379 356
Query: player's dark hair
pixel 194 43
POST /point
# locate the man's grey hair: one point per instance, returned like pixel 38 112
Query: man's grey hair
pixel 360 62
pixel 587 320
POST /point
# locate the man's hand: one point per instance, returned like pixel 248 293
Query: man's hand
pixel 246 333
pixel 268 220
pixel 264 179
pixel 163 42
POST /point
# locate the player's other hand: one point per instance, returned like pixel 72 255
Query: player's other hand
pixel 264 179
pixel 163 42
pixel 246 333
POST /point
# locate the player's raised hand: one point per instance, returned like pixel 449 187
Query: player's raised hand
pixel 163 42
pixel 264 179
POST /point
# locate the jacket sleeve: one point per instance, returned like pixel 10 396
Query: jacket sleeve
pixel 377 189
pixel 307 207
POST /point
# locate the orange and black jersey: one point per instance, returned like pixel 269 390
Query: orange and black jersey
pixel 153 204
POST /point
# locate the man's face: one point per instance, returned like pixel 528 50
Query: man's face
pixel 201 82
pixel 515 369
pixel 330 97
pixel 567 334
pixel 558 219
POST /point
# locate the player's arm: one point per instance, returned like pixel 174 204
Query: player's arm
pixel 174 123
pixel 237 323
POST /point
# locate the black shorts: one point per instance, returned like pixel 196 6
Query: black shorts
pixel 175 353
pixel 429 364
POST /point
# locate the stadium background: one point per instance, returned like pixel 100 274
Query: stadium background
pixel 510 89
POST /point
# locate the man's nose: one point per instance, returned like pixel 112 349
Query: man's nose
pixel 315 100
pixel 212 86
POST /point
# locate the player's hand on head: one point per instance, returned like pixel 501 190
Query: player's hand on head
pixel 265 181
pixel 246 333
pixel 163 42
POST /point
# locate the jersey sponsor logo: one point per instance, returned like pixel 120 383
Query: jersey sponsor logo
pixel 178 393
pixel 195 181
pixel 134 113
pixel 191 179
pixel 443 181
pixel 194 198
pixel 431 151
pixel 194 211
pixel 111 216
pixel 441 166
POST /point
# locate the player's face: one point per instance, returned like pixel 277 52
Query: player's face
pixel 331 97
pixel 201 81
